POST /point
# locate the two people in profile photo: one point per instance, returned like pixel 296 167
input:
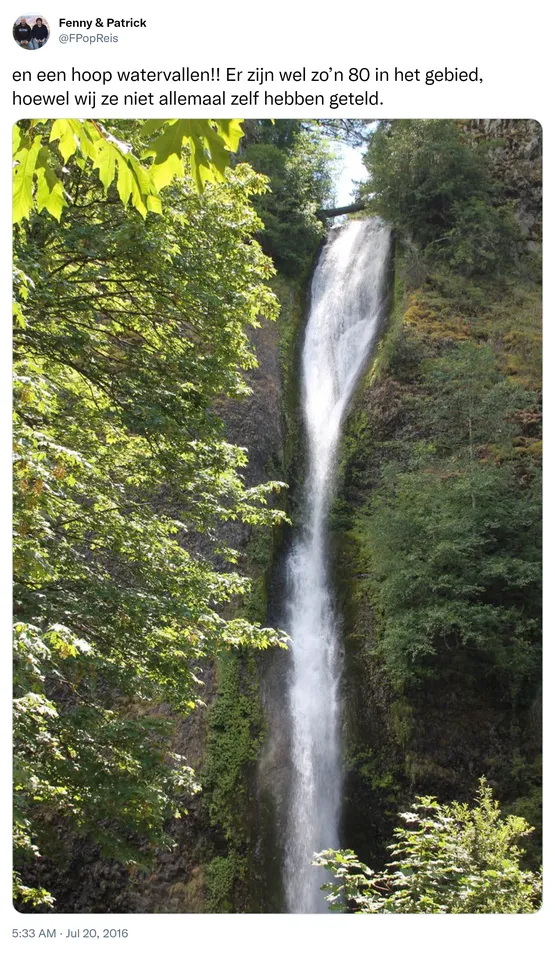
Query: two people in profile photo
pixel 31 32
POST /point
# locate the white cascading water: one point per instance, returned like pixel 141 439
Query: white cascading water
pixel 347 301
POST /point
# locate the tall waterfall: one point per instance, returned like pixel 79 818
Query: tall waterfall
pixel 347 304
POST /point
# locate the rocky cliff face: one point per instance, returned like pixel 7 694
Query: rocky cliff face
pixel 518 164
pixel 464 721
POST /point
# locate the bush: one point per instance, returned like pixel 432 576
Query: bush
pixel 447 859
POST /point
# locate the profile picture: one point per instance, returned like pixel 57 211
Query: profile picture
pixel 31 31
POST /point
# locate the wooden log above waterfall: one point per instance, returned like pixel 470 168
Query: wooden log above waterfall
pixel 342 210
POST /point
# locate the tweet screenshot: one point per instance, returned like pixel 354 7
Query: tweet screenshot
pixel 274 397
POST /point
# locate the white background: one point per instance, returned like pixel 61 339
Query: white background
pixel 511 44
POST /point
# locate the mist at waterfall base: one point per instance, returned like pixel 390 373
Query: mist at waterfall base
pixel 346 310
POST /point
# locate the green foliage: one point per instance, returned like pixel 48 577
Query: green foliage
pixel 233 743
pixel 447 859
pixel 290 293
pixel 451 535
pixel 260 553
pixel 40 179
pixel 220 874
pixel 484 238
pixel 109 772
pixel 300 184
pixel 419 169
pixel 437 188
pixel 389 339
pixel 31 897
pixel 531 807
pixel 126 333
pixel 366 763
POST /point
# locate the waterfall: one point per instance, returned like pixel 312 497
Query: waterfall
pixel 347 303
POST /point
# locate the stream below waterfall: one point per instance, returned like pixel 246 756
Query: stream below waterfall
pixel 346 310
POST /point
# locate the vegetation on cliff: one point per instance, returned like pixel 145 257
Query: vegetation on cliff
pixel 438 189
pixel 438 516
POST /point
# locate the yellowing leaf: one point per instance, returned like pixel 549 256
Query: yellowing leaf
pixel 50 190
pixel 23 174
pixel 105 161
pixel 68 142
pixel 231 132
pixel 124 179
pixel 154 204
